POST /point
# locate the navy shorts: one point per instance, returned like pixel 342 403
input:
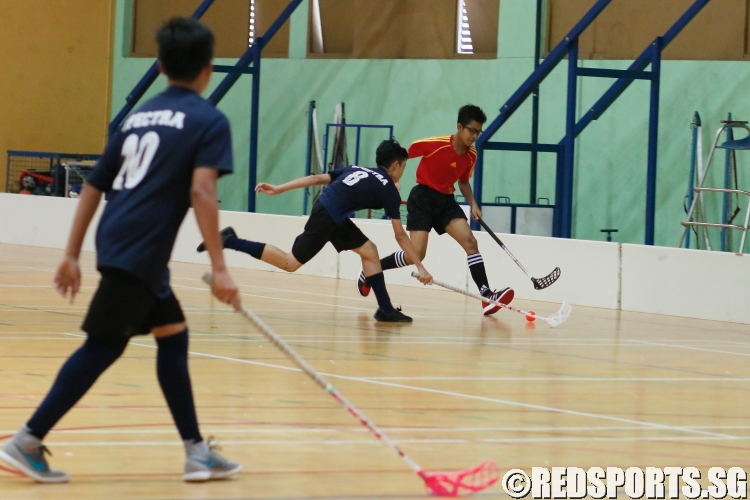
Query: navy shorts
pixel 123 306
pixel 429 209
pixel 320 229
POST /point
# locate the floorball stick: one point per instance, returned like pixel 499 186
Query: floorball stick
pixel 553 320
pixel 539 283
pixel 444 484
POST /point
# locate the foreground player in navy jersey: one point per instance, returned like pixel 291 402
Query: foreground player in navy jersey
pixel 167 155
pixel 351 189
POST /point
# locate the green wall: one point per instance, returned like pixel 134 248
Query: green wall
pixel 421 97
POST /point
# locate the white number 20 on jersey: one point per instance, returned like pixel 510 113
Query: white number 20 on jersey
pixel 355 177
pixel 138 153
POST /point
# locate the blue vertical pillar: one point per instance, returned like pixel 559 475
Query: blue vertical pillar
pixel 255 103
pixel 653 141
pixel 557 211
pixel 478 180
pixel 566 200
pixel 727 185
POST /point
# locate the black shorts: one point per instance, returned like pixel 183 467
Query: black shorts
pixel 320 229
pixel 428 209
pixel 123 306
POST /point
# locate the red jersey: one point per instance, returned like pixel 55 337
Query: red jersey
pixel 441 166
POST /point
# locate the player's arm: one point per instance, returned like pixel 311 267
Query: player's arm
pixel 302 182
pixel 68 275
pixel 203 198
pixel 465 188
pixel 411 254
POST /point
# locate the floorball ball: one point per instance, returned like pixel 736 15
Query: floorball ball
pixel 531 316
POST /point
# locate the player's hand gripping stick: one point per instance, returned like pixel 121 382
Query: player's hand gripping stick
pixel 553 320
pixel 444 484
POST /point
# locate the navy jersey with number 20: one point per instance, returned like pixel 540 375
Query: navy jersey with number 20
pixel 147 168
pixel 357 188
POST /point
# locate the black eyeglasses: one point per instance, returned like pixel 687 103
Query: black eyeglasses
pixel 474 131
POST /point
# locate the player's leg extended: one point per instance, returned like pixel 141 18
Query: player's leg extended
pixel 263 251
pixel 201 462
pixel 375 280
pixel 460 231
pixel 397 259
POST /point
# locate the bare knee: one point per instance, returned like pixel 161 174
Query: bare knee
pixel 471 246
pixel 368 251
pixel 291 267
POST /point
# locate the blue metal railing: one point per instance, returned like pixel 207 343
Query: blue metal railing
pixel 248 64
pixel 565 149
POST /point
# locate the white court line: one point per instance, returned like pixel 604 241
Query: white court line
pixel 418 340
pixel 653 344
pixel 573 379
pixel 316 430
pixel 349 442
pixel 471 396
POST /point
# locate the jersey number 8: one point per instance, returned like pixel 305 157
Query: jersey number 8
pixel 355 177
pixel 138 153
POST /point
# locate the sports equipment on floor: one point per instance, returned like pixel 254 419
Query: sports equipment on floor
pixel 444 484
pixel 539 283
pixel 553 320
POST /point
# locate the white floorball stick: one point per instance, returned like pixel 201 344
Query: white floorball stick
pixel 444 484
pixel 553 320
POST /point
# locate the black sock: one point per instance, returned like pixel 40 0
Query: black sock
pixel 252 248
pixel 174 378
pixel 76 377
pixel 377 283
pixel 393 261
pixel 478 273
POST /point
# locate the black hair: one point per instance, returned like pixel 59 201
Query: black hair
pixel 471 113
pixel 388 152
pixel 186 47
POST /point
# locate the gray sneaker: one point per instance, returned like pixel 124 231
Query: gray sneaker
pixel 203 463
pixel 26 452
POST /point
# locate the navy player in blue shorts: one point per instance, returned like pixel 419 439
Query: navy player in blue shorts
pixel 166 156
pixel 351 189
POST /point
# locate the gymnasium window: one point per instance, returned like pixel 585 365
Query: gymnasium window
pixel 403 29
pixel 251 28
pixel 626 27
pixel 463 42
pixel 235 24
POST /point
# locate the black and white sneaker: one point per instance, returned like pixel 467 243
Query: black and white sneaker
pixel 392 317
pixel 226 233
pixel 504 296
pixel 362 287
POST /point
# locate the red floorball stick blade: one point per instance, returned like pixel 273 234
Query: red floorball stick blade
pixel 465 482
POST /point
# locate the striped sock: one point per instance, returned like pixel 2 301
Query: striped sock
pixel 478 273
pixel 393 261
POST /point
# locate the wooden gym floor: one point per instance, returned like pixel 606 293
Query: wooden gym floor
pixel 454 388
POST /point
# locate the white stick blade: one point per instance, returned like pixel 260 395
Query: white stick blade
pixel 560 316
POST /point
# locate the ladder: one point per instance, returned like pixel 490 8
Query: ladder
pixel 696 215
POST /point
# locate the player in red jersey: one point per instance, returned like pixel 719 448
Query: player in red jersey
pixel 431 205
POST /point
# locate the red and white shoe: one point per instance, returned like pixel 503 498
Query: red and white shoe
pixel 504 296
pixel 362 287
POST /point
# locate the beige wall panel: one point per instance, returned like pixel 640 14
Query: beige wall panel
pixel 266 12
pixel 56 76
pixel 338 28
pixel 717 33
pixel 431 29
pixel 484 16
pixel 379 29
pixel 626 27
pixel 563 15
pixel 229 20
